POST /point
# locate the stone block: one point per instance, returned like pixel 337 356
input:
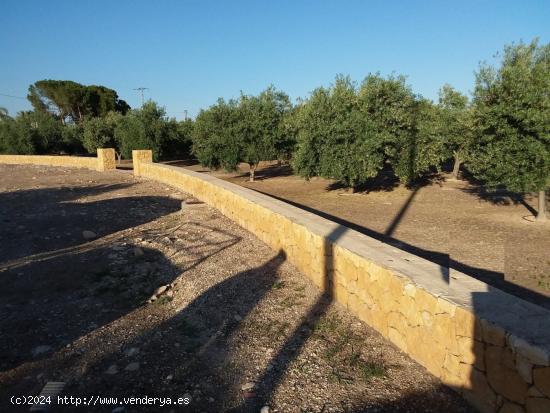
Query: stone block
pixel 524 368
pixel 479 393
pixel 508 407
pixel 139 156
pixel 537 405
pixel 471 351
pixel 533 353
pixel 467 324
pixel 397 338
pixel 493 334
pixel 425 301
pixel 106 159
pixel 502 374
pixel 541 378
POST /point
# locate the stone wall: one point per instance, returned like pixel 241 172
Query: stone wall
pixel 105 160
pixel 491 347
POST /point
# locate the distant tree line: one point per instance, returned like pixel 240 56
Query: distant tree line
pixel 348 132
pixel 72 118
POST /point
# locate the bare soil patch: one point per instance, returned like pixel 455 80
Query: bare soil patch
pixel 456 223
pixel 234 327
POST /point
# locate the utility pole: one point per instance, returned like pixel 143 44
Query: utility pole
pixel 141 89
pixel 185 114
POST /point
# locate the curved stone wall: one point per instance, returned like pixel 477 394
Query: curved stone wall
pixel 491 347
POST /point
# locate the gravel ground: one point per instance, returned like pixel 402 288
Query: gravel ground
pixel 110 287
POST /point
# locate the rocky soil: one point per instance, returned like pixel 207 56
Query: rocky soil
pixel 112 287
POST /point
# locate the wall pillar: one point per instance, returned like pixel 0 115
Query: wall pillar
pixel 105 159
pixel 139 156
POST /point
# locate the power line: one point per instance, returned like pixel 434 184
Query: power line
pixel 141 89
pixel 11 96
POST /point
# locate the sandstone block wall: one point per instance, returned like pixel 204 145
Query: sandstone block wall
pixel 139 156
pixel 105 160
pixel 491 347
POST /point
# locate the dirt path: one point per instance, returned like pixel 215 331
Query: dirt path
pixel 490 237
pixel 237 327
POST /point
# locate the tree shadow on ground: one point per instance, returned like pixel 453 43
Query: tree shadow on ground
pixel 56 312
pixel 269 171
pixel 500 196
pixel 52 303
pixel 40 220
pixel 191 347
pixel 48 268
pixel 387 181
pixel 497 196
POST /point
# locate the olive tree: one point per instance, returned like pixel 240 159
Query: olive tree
pixel 145 128
pixel 455 124
pixel 250 130
pixel 512 120
pixel 100 133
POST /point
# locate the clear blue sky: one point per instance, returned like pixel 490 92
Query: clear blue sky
pixel 189 53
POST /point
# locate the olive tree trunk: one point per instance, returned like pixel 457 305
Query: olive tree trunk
pixel 456 166
pixel 541 214
pixel 253 167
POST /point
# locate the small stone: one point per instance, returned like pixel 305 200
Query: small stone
pixel 264 409
pixel 169 293
pixel 132 366
pixel 211 399
pixel 169 377
pixel 113 369
pixel 37 351
pixel 161 289
pixel 89 234
pixel 248 386
pixel 237 317
pixel 132 351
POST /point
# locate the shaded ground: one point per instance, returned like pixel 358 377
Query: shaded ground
pixel 236 327
pixel 489 236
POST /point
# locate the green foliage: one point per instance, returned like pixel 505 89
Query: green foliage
pixel 71 138
pixel 12 141
pixel 146 128
pixel 512 120
pixel 333 136
pixel 29 133
pixel 68 99
pixel 350 134
pixel 215 140
pixel 455 123
pixel 429 144
pixel 250 129
pixel 100 132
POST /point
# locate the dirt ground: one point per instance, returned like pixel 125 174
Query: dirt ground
pixel 492 237
pixel 109 286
